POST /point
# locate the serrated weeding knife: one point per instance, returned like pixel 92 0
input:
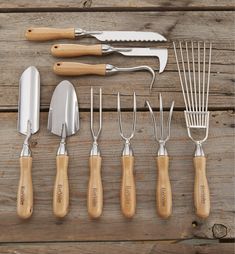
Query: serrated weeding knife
pixel 46 34
pixel 63 121
pixel 73 50
pixel 28 124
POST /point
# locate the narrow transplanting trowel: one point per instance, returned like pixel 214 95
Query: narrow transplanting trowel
pixel 28 124
pixel 63 120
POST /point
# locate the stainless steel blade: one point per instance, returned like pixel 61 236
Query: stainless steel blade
pixel 29 101
pixel 64 110
pixel 127 36
pixel 162 54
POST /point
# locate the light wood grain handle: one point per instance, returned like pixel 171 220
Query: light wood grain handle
pixel 128 191
pixel 25 189
pixel 47 34
pixel 201 188
pixel 72 50
pixel 163 195
pixel 61 187
pixel 79 69
pixel 95 189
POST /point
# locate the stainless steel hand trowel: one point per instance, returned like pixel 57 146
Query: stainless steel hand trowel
pixel 28 124
pixel 63 120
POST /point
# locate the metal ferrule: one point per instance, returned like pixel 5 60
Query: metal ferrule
pixel 106 49
pixel 110 69
pixel 79 32
pixel 127 150
pixel 25 152
pixel 162 149
pixel 199 151
pixel 62 150
pixel 95 150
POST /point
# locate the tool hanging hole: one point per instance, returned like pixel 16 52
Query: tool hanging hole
pixel 55 47
pixel 194 224
pixel 29 30
pixel 58 64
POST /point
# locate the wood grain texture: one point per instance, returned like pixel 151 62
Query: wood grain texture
pixel 116 248
pixel 17 54
pixel 146 225
pixel 60 4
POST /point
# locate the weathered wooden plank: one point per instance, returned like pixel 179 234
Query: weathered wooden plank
pixel 59 4
pixel 17 54
pixel 146 225
pixel 116 248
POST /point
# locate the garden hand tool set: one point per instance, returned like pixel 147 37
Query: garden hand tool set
pixel 63 118
pixel 28 124
pixel 195 88
pixel 128 192
pixel 95 189
pixel 63 121
pixel 73 50
pixel 163 193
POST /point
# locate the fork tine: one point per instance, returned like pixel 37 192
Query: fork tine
pixel 161 116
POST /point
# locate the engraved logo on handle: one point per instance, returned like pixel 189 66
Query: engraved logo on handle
pixel 59 193
pixel 22 195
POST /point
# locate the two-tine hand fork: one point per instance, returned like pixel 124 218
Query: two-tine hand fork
pixel 162 135
pixel 128 191
pixel 95 189
pixel 195 87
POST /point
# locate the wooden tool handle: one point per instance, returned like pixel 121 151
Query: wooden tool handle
pixel 79 69
pixel 128 191
pixel 95 189
pixel 25 189
pixel 72 50
pixel 61 188
pixel 164 196
pixel 201 188
pixel 46 34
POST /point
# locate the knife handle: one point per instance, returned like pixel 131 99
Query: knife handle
pixel 163 195
pixel 128 191
pixel 73 50
pixel 61 187
pixel 79 69
pixel 95 189
pixel 47 34
pixel 201 188
pixel 25 189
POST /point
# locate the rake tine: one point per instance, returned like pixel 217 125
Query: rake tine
pixel 194 82
pixel 208 79
pixel 180 77
pixel 185 77
pixel 199 85
pixel 190 82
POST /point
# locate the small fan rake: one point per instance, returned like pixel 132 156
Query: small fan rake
pixel 193 61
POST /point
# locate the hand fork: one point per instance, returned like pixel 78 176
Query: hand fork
pixel 128 190
pixel 163 192
pixel 95 189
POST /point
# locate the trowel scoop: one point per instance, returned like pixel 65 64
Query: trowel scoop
pixel 28 124
pixel 63 121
